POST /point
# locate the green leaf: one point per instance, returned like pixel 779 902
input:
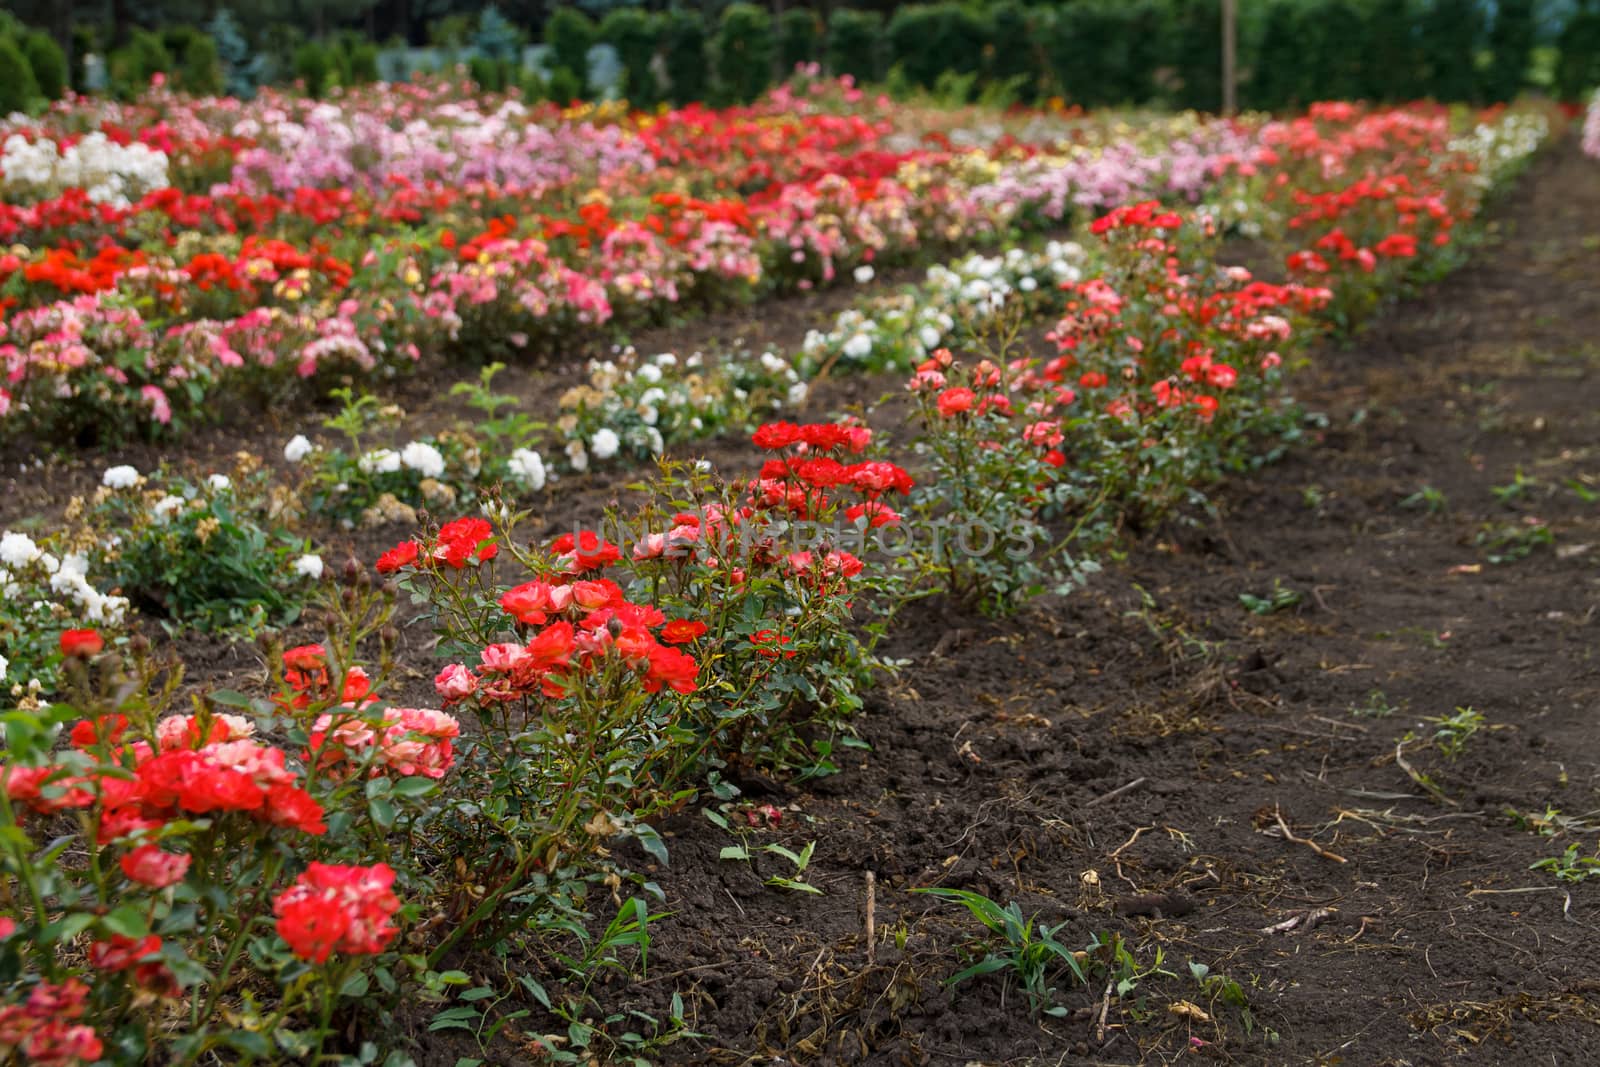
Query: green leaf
pixel 383 812
pixel 128 920
pixel 733 852
pixel 415 787
pixel 355 986
pixel 651 841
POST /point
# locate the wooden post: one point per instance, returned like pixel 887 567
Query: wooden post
pixel 1230 57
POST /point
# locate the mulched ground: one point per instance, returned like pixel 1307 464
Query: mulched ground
pixel 1119 761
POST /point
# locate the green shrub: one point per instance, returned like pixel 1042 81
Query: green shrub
pixel 636 36
pixel 854 44
pixel 312 65
pixel 684 47
pixel 202 67
pixel 564 86
pixel 798 39
pixel 927 40
pixel 132 67
pixel 744 49
pixel 1194 52
pixel 48 62
pixel 1014 54
pixel 1102 52
pixel 1333 34
pixel 486 73
pixel 570 34
pixel 1451 32
pixel 1274 79
pixel 83 43
pixel 533 86
pixel 177 39
pixel 364 64
pixel 1510 44
pixel 1578 68
pixel 18 90
pixel 1393 56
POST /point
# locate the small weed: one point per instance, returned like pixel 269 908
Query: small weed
pixel 1313 497
pixel 1452 733
pixel 1427 499
pixel 1280 599
pixel 1581 491
pixel 1376 706
pixel 1552 823
pixel 1028 954
pixel 1569 866
pixel 798 860
pixel 1222 989
pixel 1519 486
pixel 1513 541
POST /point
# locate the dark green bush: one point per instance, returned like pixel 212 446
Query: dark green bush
pixel 1451 32
pixel 683 42
pixel 570 34
pixel 564 86
pixel 202 67
pixel 745 49
pixel 1510 44
pixel 855 44
pixel 636 36
pixel 1194 51
pixel 798 39
pixel 132 67
pixel 364 64
pixel 1392 71
pixel 18 90
pixel 1274 78
pixel 83 42
pixel 1013 51
pixel 1578 67
pixel 485 73
pixel 48 62
pixel 312 66
pixel 927 40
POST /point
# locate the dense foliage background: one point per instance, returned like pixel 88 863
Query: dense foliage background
pixel 1088 52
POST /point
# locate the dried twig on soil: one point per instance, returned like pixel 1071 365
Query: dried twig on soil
pixel 1421 779
pixel 1117 792
pixel 1288 835
pixel 872 918
pixel 1100 1016
pixel 1304 921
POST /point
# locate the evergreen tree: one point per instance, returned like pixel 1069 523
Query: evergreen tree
pixel 855 44
pixel 48 63
pixel 1451 33
pixel 684 53
pixel 18 90
pixel 797 39
pixel 745 49
pixel 1510 44
pixel 636 36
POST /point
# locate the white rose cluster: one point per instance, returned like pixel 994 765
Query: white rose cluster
pixel 107 172
pixel 22 560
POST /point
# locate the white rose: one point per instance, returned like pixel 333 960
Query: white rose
pixel 17 550
pixel 309 566
pixel 218 482
pixel 527 466
pixel 423 458
pixel 379 461
pixel 858 347
pixel 865 273
pixel 5 665
pixel 123 477
pixel 577 456
pixel 298 448
pixel 604 444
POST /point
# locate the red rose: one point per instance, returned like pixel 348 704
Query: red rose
pixel 402 555
pixel 682 631
pixel 81 643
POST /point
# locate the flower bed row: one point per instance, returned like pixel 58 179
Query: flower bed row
pixel 125 317
pixel 247 880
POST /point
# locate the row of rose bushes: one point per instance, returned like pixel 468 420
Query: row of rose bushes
pixel 248 878
pixel 127 318
pixel 635 408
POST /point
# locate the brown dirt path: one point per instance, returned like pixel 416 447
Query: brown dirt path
pixel 986 755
